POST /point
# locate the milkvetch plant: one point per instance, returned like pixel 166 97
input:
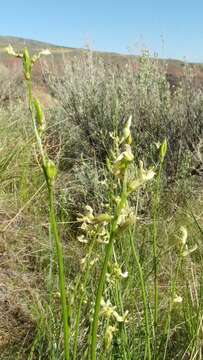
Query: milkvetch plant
pixel 121 215
pixel 50 173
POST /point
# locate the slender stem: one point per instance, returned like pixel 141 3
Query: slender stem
pixel 99 296
pixel 107 257
pixel 81 297
pixel 59 252
pixel 173 290
pixel 54 227
pixel 119 301
pixel 155 256
pixel 144 298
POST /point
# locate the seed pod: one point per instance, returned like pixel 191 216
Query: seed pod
pixel 27 65
pixel 129 139
pixel 39 115
pixel 51 170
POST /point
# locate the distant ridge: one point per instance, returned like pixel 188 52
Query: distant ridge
pixel 174 66
pixel 20 43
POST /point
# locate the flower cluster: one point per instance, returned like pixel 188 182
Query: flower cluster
pixel 94 226
pixel 109 311
pixel 116 274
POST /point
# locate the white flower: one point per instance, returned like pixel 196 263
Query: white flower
pixel 158 144
pixel 177 299
pixel 92 262
pixel 143 177
pixel 118 272
pixel 124 275
pixel 184 235
pixel 101 240
pixel 88 217
pixel 187 251
pixel 120 318
pixel 45 52
pixel 146 175
pixel 109 336
pixel 109 311
pixel 83 263
pixel 125 155
pixel 82 239
pixel 10 51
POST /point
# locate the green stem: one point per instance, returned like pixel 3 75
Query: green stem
pixel 107 257
pixel 122 328
pixel 144 299
pixel 54 227
pixel 155 256
pixel 84 282
pixel 60 257
pixel 173 290
pixel 99 296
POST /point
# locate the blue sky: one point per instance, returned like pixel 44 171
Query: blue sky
pixel 168 27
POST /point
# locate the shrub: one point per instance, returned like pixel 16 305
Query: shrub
pixel 95 99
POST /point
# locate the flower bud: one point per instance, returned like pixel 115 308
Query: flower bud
pixel 126 132
pixel 163 150
pixel 102 218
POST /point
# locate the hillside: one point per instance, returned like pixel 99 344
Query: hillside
pixel 19 43
pixel 10 67
pixel 174 67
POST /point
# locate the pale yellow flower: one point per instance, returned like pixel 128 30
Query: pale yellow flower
pixel 177 299
pixel 109 311
pixel 108 337
pixel 143 177
pixel 82 239
pixel 184 235
pixel 118 272
pixel 10 51
pixel 45 52
pixel 187 251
